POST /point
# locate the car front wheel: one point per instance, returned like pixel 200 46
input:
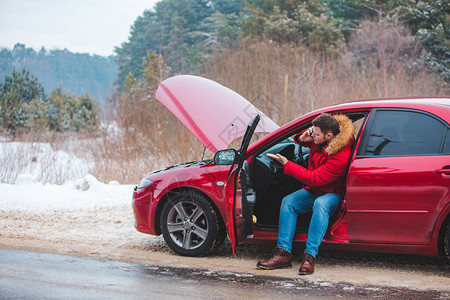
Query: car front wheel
pixel 189 224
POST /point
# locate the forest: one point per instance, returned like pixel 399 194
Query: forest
pixel 75 72
pixel 287 57
pixel 188 33
pixel 78 86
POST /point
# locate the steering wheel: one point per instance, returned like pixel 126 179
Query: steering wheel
pixel 300 159
pixel 275 166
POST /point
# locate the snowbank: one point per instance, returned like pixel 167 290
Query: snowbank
pixel 29 173
pixel 87 192
pixel 41 161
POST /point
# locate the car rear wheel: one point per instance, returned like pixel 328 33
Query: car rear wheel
pixel 447 242
pixel 190 225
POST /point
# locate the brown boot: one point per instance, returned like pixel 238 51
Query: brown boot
pixel 307 266
pixel 280 259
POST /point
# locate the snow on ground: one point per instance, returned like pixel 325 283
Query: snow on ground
pixel 29 171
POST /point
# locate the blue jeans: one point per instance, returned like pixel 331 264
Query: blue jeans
pixel 300 202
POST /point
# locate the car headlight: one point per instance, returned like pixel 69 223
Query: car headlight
pixel 144 182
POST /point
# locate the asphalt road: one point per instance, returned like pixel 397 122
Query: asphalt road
pixel 35 275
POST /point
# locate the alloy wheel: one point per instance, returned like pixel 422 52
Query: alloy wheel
pixel 187 225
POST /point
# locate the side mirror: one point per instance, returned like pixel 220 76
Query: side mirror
pixel 226 157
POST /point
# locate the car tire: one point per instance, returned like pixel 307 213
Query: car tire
pixel 447 242
pixel 190 225
pixel 222 234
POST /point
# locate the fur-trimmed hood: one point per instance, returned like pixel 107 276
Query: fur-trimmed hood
pixel 346 134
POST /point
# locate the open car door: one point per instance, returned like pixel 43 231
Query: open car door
pixel 241 196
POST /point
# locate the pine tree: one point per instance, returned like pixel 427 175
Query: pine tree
pixel 16 92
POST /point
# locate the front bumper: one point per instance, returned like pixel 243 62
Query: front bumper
pixel 143 214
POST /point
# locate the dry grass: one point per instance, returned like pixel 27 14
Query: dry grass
pixel 145 137
pixel 45 156
pixel 287 81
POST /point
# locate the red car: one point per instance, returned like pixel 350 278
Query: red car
pixel 397 193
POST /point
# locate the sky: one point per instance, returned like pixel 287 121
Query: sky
pixel 81 26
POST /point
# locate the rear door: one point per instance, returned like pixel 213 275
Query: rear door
pixel 241 197
pixel 398 182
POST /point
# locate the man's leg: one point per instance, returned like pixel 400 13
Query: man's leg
pixel 298 202
pixel 323 208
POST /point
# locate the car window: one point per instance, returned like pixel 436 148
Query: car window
pixel 446 149
pixel 357 118
pixel 400 133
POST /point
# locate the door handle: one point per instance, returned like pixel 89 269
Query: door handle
pixel 445 170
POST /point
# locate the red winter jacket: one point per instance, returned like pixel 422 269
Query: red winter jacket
pixel 327 166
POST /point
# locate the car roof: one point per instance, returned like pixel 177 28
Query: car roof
pixel 438 106
pixel 401 102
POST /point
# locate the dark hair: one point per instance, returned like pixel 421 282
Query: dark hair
pixel 326 123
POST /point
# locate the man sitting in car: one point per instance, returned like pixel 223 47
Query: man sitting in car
pixel 330 139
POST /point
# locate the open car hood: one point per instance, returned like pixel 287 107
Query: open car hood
pixel 213 113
